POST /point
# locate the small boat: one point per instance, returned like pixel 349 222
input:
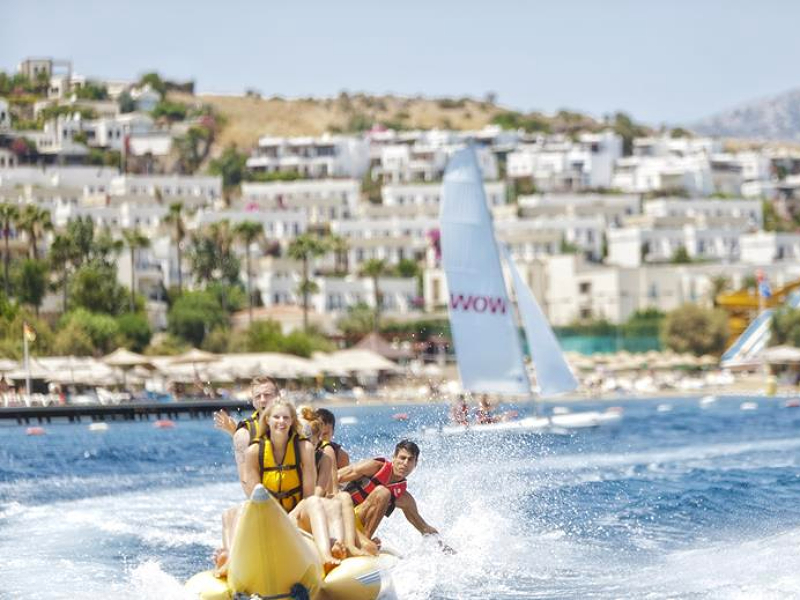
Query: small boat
pixel 271 558
pixel 559 424
pixel 748 406
pixel 348 420
pixel 164 424
pixel 664 408
pixel 98 427
pixel 793 403
pixel 400 416
pixel 707 401
pixel 35 431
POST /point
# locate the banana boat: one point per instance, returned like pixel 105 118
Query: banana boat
pixel 270 558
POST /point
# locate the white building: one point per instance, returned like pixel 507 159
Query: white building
pixel 614 208
pixel 748 212
pixel 321 200
pixel 336 295
pixel 391 239
pixel 430 194
pixel 642 174
pixel 556 163
pixel 768 247
pixel 170 188
pixel 279 225
pixel 314 158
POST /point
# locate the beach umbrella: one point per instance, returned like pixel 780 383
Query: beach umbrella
pixel 195 357
pixel 125 359
pixel 8 364
pixel 780 355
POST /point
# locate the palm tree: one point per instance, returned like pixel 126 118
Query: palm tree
pixel 340 246
pixel 134 240
pixel 375 268
pixel 8 215
pixel 34 221
pixel 249 232
pixel 63 254
pixel 175 218
pixel 305 247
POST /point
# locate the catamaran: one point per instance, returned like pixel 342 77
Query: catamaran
pixel 482 317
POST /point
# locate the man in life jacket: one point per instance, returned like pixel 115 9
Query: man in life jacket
pixel 263 392
pixel 326 435
pixel 378 486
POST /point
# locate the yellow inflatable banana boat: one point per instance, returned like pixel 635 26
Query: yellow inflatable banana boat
pixel 270 558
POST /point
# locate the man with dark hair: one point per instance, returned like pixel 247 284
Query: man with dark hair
pixel 378 486
pixel 328 427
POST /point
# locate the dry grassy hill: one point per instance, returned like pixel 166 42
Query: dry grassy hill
pixel 248 118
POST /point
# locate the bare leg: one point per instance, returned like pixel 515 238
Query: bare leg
pixel 374 508
pixel 229 519
pixel 348 518
pixel 310 517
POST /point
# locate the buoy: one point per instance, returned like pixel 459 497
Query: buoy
pixel 400 416
pixel 35 431
pixel 98 427
pixel 164 424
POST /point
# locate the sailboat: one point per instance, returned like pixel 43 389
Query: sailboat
pixel 482 317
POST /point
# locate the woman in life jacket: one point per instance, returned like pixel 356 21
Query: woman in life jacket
pixel 338 505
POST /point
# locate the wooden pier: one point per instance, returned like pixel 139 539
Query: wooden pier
pixel 138 411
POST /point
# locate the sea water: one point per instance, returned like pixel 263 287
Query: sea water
pixel 695 502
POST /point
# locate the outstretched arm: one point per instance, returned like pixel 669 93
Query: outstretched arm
pixel 364 468
pixel 251 470
pixel 408 505
pixel 224 422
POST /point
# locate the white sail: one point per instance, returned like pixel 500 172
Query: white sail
pixel 481 316
pixel 553 375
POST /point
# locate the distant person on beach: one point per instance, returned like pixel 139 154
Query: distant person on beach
pixel 263 392
pixel 378 486
pixel 328 428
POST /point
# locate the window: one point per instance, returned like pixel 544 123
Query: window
pixel 585 287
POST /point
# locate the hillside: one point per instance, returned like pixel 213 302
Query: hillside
pixel 249 118
pixel 775 118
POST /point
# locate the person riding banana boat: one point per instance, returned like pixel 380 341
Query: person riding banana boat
pixel 283 462
pixel 378 486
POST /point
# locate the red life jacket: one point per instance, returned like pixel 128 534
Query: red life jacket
pixel 361 488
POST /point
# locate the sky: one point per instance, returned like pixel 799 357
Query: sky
pixel 667 62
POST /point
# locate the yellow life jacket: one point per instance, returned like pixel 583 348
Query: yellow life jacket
pixel 284 481
pixel 253 426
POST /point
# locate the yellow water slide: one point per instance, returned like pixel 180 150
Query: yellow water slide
pixel 744 305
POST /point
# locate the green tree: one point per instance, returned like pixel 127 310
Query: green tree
pixel 358 321
pixel 339 245
pixel 305 248
pixel 193 315
pixel 94 287
pixel 31 283
pixel 34 221
pixel 126 103
pixel 134 331
pixel 695 329
pixel 91 90
pixel 624 126
pixel 407 268
pixel 375 268
pixel 155 82
pixel 73 340
pixel 681 256
pixel 102 329
pixel 249 232
pixel 8 216
pixel 231 166
pixel 175 219
pixel 62 256
pixel 211 254
pixel 135 240
pixel 786 327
